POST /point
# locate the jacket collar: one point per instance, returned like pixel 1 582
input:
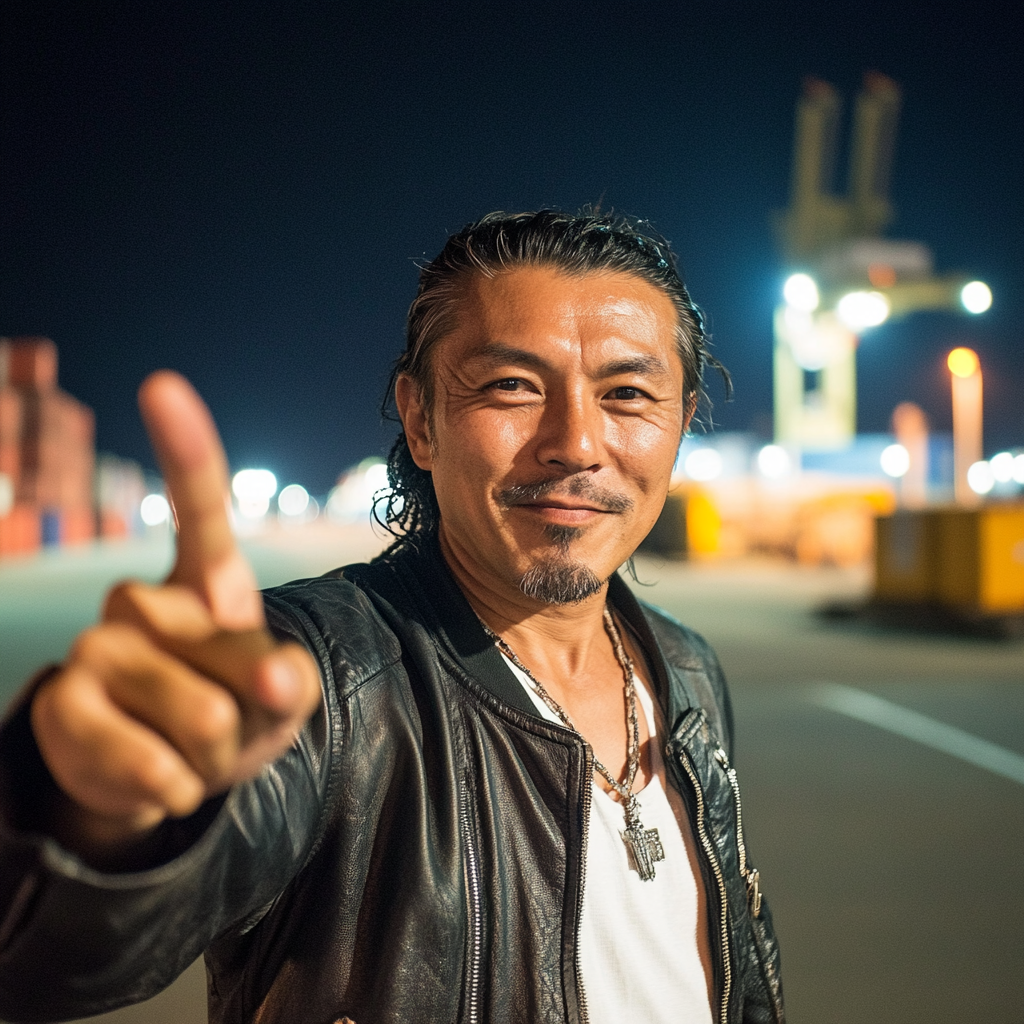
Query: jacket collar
pixel 430 595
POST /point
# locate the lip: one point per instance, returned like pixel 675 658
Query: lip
pixel 562 514
pixel 569 506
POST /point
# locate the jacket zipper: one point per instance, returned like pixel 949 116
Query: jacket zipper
pixel 709 850
pixel 751 876
pixel 588 793
pixel 476 924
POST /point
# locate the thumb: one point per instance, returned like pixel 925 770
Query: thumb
pixel 195 471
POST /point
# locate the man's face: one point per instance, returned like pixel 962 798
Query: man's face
pixel 556 420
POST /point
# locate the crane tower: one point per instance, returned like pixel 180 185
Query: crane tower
pixel 845 277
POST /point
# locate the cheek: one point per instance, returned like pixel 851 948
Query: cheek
pixel 479 440
pixel 648 452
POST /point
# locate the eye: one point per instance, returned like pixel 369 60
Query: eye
pixel 513 390
pixel 510 385
pixel 626 394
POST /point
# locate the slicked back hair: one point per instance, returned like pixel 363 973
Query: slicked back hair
pixel 574 244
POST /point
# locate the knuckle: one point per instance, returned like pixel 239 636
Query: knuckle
pixel 159 776
pixel 47 705
pixel 214 717
pixel 123 601
pixel 91 645
pixel 104 644
pixel 307 669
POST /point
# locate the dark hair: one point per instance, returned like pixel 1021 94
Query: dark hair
pixel 574 243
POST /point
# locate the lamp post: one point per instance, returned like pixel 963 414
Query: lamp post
pixel 965 370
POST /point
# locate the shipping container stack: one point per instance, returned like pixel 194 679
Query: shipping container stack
pixel 120 487
pixel 46 452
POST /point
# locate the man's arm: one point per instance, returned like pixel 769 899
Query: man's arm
pixel 163 732
pixel 180 691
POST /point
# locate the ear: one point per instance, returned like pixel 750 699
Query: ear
pixel 409 401
pixel 689 408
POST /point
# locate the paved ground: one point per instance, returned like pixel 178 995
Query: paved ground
pixel 893 868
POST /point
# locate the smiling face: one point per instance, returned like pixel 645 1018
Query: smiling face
pixel 557 414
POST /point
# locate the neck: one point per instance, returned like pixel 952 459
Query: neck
pixel 556 640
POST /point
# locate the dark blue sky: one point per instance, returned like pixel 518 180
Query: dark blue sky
pixel 240 191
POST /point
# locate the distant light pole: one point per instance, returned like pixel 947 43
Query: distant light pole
pixel 967 420
pixel 910 425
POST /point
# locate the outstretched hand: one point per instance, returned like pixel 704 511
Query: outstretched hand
pixel 180 692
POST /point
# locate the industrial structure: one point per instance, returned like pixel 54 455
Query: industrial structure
pixel 47 453
pixel 845 277
pixel 810 495
pixel 53 489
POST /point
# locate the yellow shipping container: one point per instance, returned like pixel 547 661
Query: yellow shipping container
pixel 905 557
pixel 969 559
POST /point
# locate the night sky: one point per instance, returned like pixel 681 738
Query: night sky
pixel 242 191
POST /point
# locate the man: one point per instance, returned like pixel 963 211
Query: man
pixel 474 780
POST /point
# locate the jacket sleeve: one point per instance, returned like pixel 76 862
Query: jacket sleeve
pixel 75 941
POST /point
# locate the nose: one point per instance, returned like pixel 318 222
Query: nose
pixel 570 434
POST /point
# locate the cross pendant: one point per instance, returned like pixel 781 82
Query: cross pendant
pixel 645 849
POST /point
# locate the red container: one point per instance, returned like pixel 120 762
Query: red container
pixel 77 525
pixel 20 531
pixel 10 461
pixel 32 363
pixel 112 524
pixel 56 452
pixel 10 416
pixel 61 486
pixel 46 449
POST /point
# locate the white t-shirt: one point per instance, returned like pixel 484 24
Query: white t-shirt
pixel 638 939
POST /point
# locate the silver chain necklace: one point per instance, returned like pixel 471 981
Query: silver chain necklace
pixel 643 844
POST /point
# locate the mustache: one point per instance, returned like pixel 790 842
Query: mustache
pixel 578 486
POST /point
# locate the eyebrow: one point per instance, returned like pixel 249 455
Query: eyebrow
pixel 497 352
pixel 648 366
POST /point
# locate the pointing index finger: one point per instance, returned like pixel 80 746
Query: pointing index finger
pixel 195 470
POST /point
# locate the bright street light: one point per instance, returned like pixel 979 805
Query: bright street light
pixel 154 510
pixel 965 378
pixel 895 461
pixel 963 362
pixel 1002 467
pixel 859 310
pixel 801 293
pixel 293 500
pixel 353 498
pixel 254 488
pixel 980 478
pixel 773 461
pixel 976 297
pixel 703 464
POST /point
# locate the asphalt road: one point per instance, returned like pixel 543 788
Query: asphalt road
pixel 882 775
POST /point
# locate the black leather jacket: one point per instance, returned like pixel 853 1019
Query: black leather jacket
pixel 416 856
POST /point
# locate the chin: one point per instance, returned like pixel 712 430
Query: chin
pixel 561 581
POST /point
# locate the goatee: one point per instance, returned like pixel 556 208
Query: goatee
pixel 558 582
pixel 561 580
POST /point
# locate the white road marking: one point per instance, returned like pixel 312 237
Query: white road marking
pixel 914 726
